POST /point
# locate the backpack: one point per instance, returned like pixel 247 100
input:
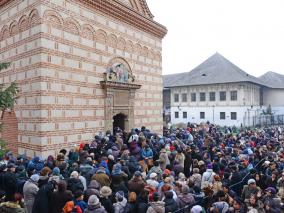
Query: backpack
pixel 76 209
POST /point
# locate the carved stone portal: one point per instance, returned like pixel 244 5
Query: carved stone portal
pixel 119 85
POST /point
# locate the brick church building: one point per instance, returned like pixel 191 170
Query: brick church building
pixel 82 66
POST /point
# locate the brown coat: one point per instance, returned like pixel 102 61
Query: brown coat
pixel 102 179
pixel 136 185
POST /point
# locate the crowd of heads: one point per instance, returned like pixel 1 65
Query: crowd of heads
pixel 201 168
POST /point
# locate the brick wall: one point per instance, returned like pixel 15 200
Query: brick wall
pixel 10 131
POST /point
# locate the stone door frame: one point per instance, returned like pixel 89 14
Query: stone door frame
pixel 112 89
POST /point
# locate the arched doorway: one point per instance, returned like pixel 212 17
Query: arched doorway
pixel 119 121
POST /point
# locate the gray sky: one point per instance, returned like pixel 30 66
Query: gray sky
pixel 250 33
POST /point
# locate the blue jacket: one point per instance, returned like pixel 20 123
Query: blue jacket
pixel 147 153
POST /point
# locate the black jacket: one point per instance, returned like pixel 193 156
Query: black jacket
pixel 59 199
pixel 170 205
pixel 106 202
pixel 42 202
pixel 74 185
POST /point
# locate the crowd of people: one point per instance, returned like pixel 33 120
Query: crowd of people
pixel 197 169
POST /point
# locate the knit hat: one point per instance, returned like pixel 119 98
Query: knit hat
pixel 105 191
pixel 35 178
pixel 185 189
pixel 74 174
pixel 56 171
pixel 272 190
pixel 137 174
pixel 209 166
pixel 93 200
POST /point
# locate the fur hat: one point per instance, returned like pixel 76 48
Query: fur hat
pixel 105 191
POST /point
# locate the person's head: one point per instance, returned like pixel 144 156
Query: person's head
pixel 153 176
pixel 237 204
pixel 74 174
pixel 132 197
pixel 119 196
pixel 253 199
pixel 225 188
pixel 78 195
pixel 155 197
pixel 105 191
pixel 156 163
pixel 17 198
pixel 251 183
pixel 45 171
pixel 11 167
pixel 137 175
pixel 93 201
pixel 62 186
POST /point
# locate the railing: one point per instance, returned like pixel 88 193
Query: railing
pixel 268 120
pixel 188 207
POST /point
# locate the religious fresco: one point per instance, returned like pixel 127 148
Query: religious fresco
pixel 119 71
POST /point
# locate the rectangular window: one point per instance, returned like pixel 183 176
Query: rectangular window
pixel 233 116
pixel 184 114
pixel 212 96
pixel 223 96
pixel 176 97
pixel 202 115
pixel 234 95
pixel 202 96
pixel 193 97
pixel 176 114
pixel 184 97
pixel 222 115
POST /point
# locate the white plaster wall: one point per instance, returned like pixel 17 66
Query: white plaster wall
pixel 193 115
pixel 274 97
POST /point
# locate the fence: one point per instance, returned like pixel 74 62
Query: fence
pixel 268 120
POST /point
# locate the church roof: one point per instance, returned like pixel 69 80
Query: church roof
pixel 273 80
pixel 215 70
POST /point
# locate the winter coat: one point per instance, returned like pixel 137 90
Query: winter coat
pixel 74 184
pixel 9 184
pixel 102 178
pixel 30 190
pixel 142 205
pixel 130 208
pixel 107 204
pixel 196 179
pixel 42 202
pixel 164 159
pixel 147 153
pixel 120 206
pixel 95 209
pixel 11 207
pixel 59 199
pixel 207 176
pixel 185 199
pixel 42 181
pixel 156 207
pixel 157 170
pixel 136 185
pixel 170 205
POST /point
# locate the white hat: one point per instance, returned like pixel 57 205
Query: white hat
pixel 110 157
pixel 153 175
pixel 35 178
pixel 250 181
pixel 196 209
pixel 74 174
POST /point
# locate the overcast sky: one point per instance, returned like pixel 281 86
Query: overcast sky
pixel 250 33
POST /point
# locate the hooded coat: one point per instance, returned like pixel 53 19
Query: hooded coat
pixel 120 206
pixel 30 190
pixel 170 205
pixel 156 207
pixel 11 207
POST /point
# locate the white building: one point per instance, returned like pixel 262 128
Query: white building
pixel 219 92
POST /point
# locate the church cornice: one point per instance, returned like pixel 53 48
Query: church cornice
pixel 122 12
